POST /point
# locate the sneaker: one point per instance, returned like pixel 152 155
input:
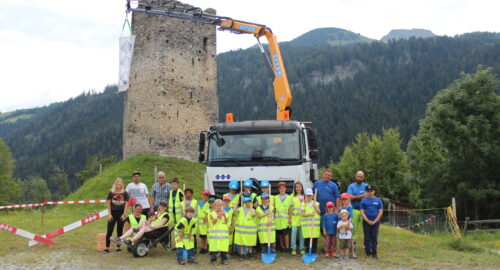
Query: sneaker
pixel 250 256
pixel 353 256
pixel 368 253
pixel 118 250
pixel 302 252
pixel 105 251
pixel 128 243
pixel 345 257
pixel 116 240
pixel 192 261
pixel 327 255
pixel 181 262
pixel 339 255
pixel 294 252
pixel 374 255
pixel 241 258
pixel 213 262
pixel 334 254
pixel 224 262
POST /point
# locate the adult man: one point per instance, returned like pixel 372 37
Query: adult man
pixel 327 191
pixel 357 190
pixel 159 191
pixel 139 191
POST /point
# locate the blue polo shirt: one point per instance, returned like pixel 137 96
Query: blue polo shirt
pixel 329 222
pixel 356 190
pixel 371 206
pixel 327 192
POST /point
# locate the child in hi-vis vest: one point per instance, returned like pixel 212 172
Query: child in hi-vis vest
pixel 185 230
pixel 245 229
pixel 310 219
pixel 218 233
pixel 266 226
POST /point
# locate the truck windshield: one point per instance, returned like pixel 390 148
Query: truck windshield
pixel 272 147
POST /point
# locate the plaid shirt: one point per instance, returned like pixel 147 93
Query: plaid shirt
pixel 160 193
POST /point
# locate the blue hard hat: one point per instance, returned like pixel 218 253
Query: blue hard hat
pixel 265 183
pixel 246 199
pixel 234 184
pixel 264 195
pixel 248 183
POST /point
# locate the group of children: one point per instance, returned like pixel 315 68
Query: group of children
pixel 243 220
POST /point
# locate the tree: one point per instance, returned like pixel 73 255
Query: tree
pixel 35 189
pixel 456 152
pixel 92 167
pixel 58 183
pixel 9 189
pixel 382 160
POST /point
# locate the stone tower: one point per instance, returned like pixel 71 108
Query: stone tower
pixel 173 86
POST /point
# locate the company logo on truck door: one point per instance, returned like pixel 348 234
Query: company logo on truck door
pixel 223 176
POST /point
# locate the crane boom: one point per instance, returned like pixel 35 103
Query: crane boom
pixel 282 92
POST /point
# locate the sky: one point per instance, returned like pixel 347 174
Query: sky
pixel 52 50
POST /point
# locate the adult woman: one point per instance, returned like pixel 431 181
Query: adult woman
pixel 117 207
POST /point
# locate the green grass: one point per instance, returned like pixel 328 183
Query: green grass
pixel 16 118
pixel 397 248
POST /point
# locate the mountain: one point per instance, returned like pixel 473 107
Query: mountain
pixel 407 33
pixel 328 36
pixel 64 134
pixel 343 90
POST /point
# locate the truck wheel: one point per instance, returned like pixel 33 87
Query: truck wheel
pixel 140 249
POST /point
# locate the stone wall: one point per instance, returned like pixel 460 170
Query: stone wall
pixel 173 86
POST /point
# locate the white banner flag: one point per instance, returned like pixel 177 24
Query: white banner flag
pixel 126 52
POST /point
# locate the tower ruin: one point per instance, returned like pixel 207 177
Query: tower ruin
pixel 173 86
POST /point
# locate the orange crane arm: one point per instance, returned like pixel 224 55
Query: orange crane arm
pixel 282 92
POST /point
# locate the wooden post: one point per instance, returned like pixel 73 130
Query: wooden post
pixel 100 168
pixel 156 173
pixel 454 207
pixel 465 225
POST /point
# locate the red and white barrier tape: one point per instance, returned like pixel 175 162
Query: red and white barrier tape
pixel 25 234
pixel 51 203
pixel 21 205
pixel 76 202
pixel 72 226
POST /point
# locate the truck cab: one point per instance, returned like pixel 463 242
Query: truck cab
pixel 260 150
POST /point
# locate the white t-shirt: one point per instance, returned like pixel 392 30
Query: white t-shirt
pixel 344 233
pixel 139 192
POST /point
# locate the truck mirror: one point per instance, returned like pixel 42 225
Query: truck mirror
pixel 201 146
pixel 201 157
pixel 312 175
pixel 313 154
pixel 311 138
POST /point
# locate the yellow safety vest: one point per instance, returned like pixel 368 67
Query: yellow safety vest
pixel 230 221
pixel 193 204
pixel 189 229
pixel 235 200
pixel 201 214
pixel 296 214
pixel 158 220
pixel 271 201
pixel 245 229
pixel 262 227
pixel 307 222
pixel 282 212
pixel 178 207
pixel 218 233
pixel 133 222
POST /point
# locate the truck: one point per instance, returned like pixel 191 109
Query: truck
pixel 280 150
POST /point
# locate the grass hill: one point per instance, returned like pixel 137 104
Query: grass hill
pixel 189 173
pixel 329 36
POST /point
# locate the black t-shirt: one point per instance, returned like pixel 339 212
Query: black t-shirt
pixel 117 200
pixel 180 226
pixel 138 219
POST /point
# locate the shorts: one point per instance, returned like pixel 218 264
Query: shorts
pixel 283 232
pixel 154 234
pixel 203 236
pixel 344 244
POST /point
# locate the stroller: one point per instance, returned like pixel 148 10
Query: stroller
pixel 149 241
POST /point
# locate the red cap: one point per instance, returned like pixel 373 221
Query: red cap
pixel 281 184
pixel 330 204
pixel 205 192
pixel 344 196
pixel 226 197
